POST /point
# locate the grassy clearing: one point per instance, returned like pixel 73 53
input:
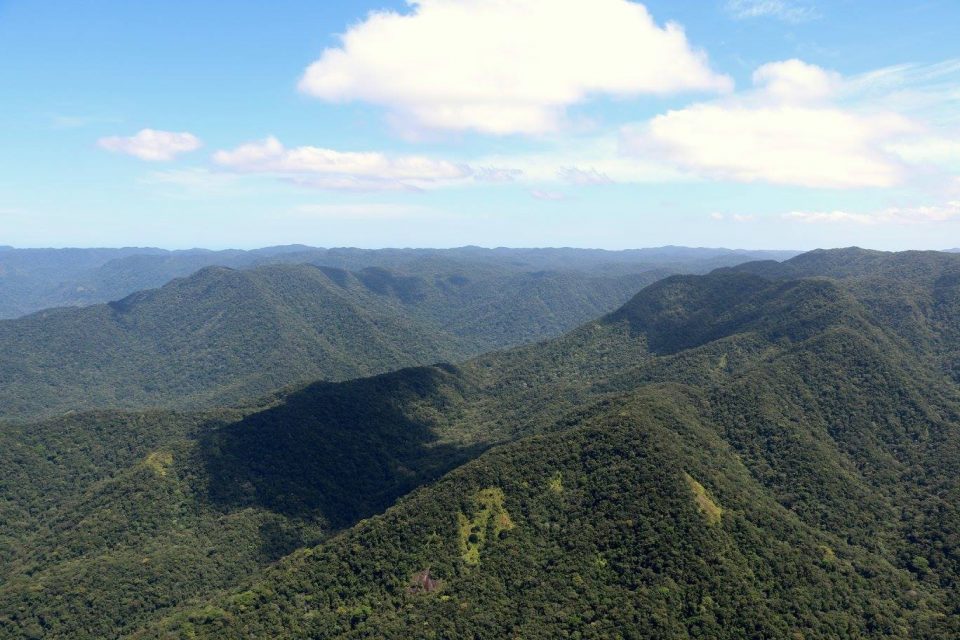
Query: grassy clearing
pixel 710 509
pixel 490 516
pixel 159 462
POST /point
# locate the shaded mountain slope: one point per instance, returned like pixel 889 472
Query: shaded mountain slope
pixel 639 521
pixel 144 530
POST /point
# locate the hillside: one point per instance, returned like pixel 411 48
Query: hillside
pixel 224 335
pixel 36 279
pixel 221 334
pixel 915 294
pixel 742 454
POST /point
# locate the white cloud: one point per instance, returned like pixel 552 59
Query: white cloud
pixel 788 10
pixel 893 215
pixel 151 144
pixel 786 131
pixel 506 66
pixel 929 149
pixel 782 145
pixel 930 94
pixel 341 170
pixel 796 81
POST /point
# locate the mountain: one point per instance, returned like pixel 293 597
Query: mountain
pixel 223 335
pixel 36 279
pixel 220 333
pixel 767 451
pixel 916 294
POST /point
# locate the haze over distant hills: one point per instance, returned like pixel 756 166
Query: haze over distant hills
pixel 35 279
pixel 767 450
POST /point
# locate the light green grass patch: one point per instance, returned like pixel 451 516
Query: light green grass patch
pixel 710 509
pixel 555 484
pixel 159 462
pixel 490 514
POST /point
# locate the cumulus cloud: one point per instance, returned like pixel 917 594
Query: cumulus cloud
pixel 506 66
pixel 782 145
pixel 340 170
pixel 930 149
pixel 787 131
pixel 893 215
pixel 796 81
pixel 151 144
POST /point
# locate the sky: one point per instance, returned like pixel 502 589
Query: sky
pixel 777 124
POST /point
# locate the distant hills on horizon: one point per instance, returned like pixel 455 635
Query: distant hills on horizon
pixel 257 321
pixel 35 279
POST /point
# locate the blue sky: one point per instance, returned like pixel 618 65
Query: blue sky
pixel 595 123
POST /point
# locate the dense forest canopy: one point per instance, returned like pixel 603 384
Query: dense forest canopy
pixel 222 335
pixel 765 451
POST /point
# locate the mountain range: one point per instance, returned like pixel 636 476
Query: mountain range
pixel 770 450
pixel 36 279
pixel 222 335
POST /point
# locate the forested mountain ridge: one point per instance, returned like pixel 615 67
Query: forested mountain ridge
pixel 36 279
pixel 222 335
pixel 914 293
pixel 733 455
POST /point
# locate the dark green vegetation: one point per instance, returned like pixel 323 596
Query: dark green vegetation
pixel 222 335
pixel 771 451
pixel 35 279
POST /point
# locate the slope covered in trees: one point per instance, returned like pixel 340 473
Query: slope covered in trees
pixel 223 335
pixel 751 453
